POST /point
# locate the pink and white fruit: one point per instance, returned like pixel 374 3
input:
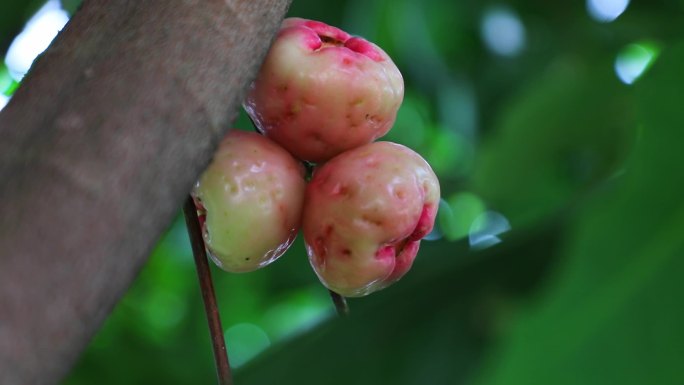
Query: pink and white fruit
pixel 365 212
pixel 321 91
pixel 250 202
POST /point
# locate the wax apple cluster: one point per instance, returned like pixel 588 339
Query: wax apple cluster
pixel 321 96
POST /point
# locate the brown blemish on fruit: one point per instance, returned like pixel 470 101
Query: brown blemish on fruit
pixel 316 136
pixel 232 187
pixel 291 112
pixel 373 118
pixel 330 41
pixel 375 222
pixel 319 248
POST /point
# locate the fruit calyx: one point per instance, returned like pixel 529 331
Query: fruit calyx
pixel 323 36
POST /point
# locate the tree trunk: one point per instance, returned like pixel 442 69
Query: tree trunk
pixel 98 149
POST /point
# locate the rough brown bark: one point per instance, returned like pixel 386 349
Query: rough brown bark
pixel 98 149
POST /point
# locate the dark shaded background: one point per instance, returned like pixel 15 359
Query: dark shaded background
pixel 558 254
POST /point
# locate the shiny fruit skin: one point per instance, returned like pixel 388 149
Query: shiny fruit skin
pixel 250 201
pixel 365 212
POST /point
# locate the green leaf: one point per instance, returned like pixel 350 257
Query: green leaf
pixel 571 129
pixel 613 315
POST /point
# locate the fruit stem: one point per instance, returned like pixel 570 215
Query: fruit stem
pixel 207 288
pixel 340 304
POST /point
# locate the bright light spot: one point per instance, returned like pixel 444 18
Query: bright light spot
pixel 35 38
pixel 457 214
pixel 3 101
pixel 503 32
pixel 486 228
pixel 244 341
pixel 606 11
pixel 634 60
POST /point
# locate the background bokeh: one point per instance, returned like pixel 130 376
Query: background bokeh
pixel 556 129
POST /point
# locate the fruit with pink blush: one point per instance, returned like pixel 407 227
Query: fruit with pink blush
pixel 321 91
pixel 250 201
pixel 365 212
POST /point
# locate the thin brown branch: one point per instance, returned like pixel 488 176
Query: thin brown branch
pixel 206 286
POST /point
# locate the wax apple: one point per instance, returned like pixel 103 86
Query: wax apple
pixel 321 91
pixel 250 201
pixel 365 213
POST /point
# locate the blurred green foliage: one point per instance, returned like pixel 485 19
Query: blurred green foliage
pixel 585 288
